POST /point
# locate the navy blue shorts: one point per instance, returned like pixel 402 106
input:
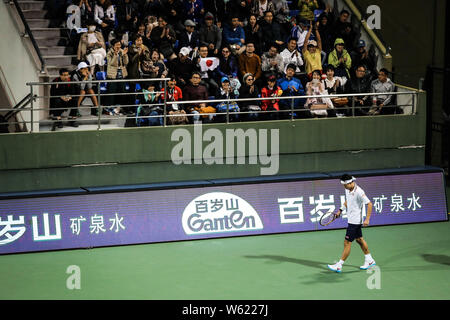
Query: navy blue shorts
pixel 353 232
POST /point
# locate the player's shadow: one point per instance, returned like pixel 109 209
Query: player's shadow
pixel 437 258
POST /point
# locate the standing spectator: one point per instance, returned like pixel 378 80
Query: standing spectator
pixel 326 32
pixel 58 105
pixel 190 38
pixel 291 55
pixel 259 7
pixel 234 36
pixel 253 34
pixel 291 87
pixel 163 37
pixel 249 90
pixel 299 33
pixel 271 31
pixel 271 90
pixel 383 102
pixel 92 48
pixel 174 93
pixel 194 10
pixel 340 59
pixel 307 8
pixel 272 62
pixel 117 70
pixel 312 52
pixel 138 53
pixel 86 11
pixel 249 62
pixel 182 67
pixel 362 56
pixel 210 35
pixel 85 87
pixel 196 92
pixel 340 24
pixel 359 84
pixel 173 10
pixel 105 16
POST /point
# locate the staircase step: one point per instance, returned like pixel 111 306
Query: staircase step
pixel 50 42
pixel 49 32
pixel 34 14
pixel 38 23
pixel 31 5
pixel 55 51
pixel 59 60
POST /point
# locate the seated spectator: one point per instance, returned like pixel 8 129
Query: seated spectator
pixel 249 90
pixel 144 30
pixel 163 37
pixel 271 31
pixel 190 38
pixel 85 88
pixel 291 87
pixel 174 11
pixel 319 107
pixel 58 105
pixel 92 48
pixel 249 62
pixel 208 69
pixel 228 64
pixel 312 52
pixel 383 101
pixel 271 90
pixel 182 67
pixel 175 111
pixel 340 59
pixel 148 111
pixel 210 35
pixel 105 17
pixel 299 33
pixel 272 62
pixel 139 58
pixel 194 10
pixel 215 8
pixel 359 84
pixel 335 85
pixel 226 93
pixel 116 70
pixel 291 55
pixel 253 34
pixel 362 56
pixel 234 36
pixel 196 92
pixel 240 9
pixel 259 7
pixel 307 8
pixel 127 14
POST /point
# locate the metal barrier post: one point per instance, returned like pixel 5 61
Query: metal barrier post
pixel 228 111
pixel 292 109
pixel 165 104
pixel 32 109
pixel 99 108
pixel 353 107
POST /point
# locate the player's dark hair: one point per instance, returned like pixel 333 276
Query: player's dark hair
pixel 346 177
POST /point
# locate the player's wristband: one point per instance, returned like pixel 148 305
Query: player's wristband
pixel 342 208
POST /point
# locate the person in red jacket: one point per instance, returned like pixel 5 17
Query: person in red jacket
pixel 271 90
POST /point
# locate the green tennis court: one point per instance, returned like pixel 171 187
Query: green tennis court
pixel 413 260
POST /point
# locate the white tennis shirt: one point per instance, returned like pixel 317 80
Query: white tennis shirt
pixel 356 200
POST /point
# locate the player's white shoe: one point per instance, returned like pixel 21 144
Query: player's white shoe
pixel 335 267
pixel 367 265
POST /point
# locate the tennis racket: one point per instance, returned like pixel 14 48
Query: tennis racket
pixel 327 218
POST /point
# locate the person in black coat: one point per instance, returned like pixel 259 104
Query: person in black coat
pixel 361 83
pixel 189 38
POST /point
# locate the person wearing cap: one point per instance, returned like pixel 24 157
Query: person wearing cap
pixel 312 52
pixel 83 74
pixel 190 37
pixel 182 67
pixel 361 56
pixel 226 93
pixel 210 35
pixel 340 59
pixel 355 200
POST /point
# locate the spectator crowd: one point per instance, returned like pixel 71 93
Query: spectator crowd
pixel 222 50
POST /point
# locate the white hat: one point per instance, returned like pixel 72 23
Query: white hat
pixel 82 65
pixel 185 51
pixel 312 43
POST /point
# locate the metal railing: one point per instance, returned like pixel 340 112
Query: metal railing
pixel 409 101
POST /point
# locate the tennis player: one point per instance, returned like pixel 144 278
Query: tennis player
pixel 355 200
